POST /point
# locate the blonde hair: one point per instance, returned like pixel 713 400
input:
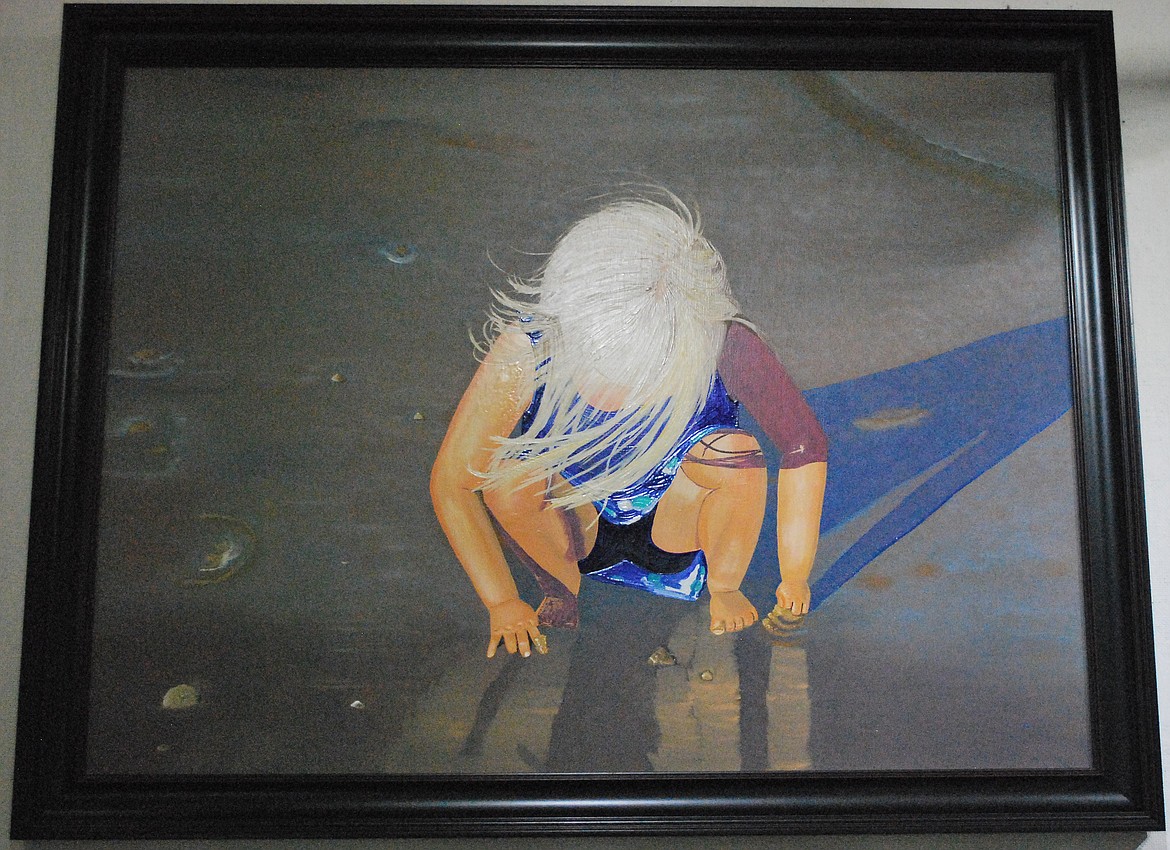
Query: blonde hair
pixel 634 299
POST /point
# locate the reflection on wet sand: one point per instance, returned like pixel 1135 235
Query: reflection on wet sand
pixel 696 701
pixel 485 716
pixel 677 708
pixel 789 709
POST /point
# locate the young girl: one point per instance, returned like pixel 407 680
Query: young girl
pixel 600 433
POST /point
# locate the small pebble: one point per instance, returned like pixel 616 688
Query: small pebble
pixel 707 676
pixel 661 657
pixel 399 253
pixel 147 355
pixel 180 697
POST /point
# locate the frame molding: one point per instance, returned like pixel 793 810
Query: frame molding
pixel 53 795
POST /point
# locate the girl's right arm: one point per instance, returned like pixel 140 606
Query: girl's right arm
pixel 498 394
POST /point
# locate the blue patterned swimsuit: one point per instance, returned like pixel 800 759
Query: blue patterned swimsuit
pixel 624 553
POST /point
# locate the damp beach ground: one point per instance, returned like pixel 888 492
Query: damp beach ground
pixel 301 257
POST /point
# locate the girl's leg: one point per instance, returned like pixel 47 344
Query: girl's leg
pixel 549 542
pixel 717 504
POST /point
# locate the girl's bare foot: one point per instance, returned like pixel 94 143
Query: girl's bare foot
pixel 731 612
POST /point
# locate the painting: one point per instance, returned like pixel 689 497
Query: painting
pixel 452 423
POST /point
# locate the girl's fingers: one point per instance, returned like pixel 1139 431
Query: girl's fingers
pixel 519 638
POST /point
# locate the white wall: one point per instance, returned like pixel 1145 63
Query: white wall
pixel 29 31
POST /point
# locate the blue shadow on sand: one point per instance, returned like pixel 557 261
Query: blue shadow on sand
pixel 930 427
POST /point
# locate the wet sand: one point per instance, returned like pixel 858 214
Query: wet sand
pixel 301 258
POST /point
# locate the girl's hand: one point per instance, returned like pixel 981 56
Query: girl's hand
pixel 794 596
pixel 514 624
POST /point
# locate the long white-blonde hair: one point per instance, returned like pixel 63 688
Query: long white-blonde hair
pixel 632 298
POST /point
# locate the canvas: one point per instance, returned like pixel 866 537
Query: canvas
pixel 303 260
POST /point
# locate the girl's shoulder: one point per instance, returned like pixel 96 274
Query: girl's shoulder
pixel 512 343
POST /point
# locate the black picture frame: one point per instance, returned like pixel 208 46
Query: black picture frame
pixel 54 795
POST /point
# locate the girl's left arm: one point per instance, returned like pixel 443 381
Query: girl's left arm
pixel 756 378
pixel 800 493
